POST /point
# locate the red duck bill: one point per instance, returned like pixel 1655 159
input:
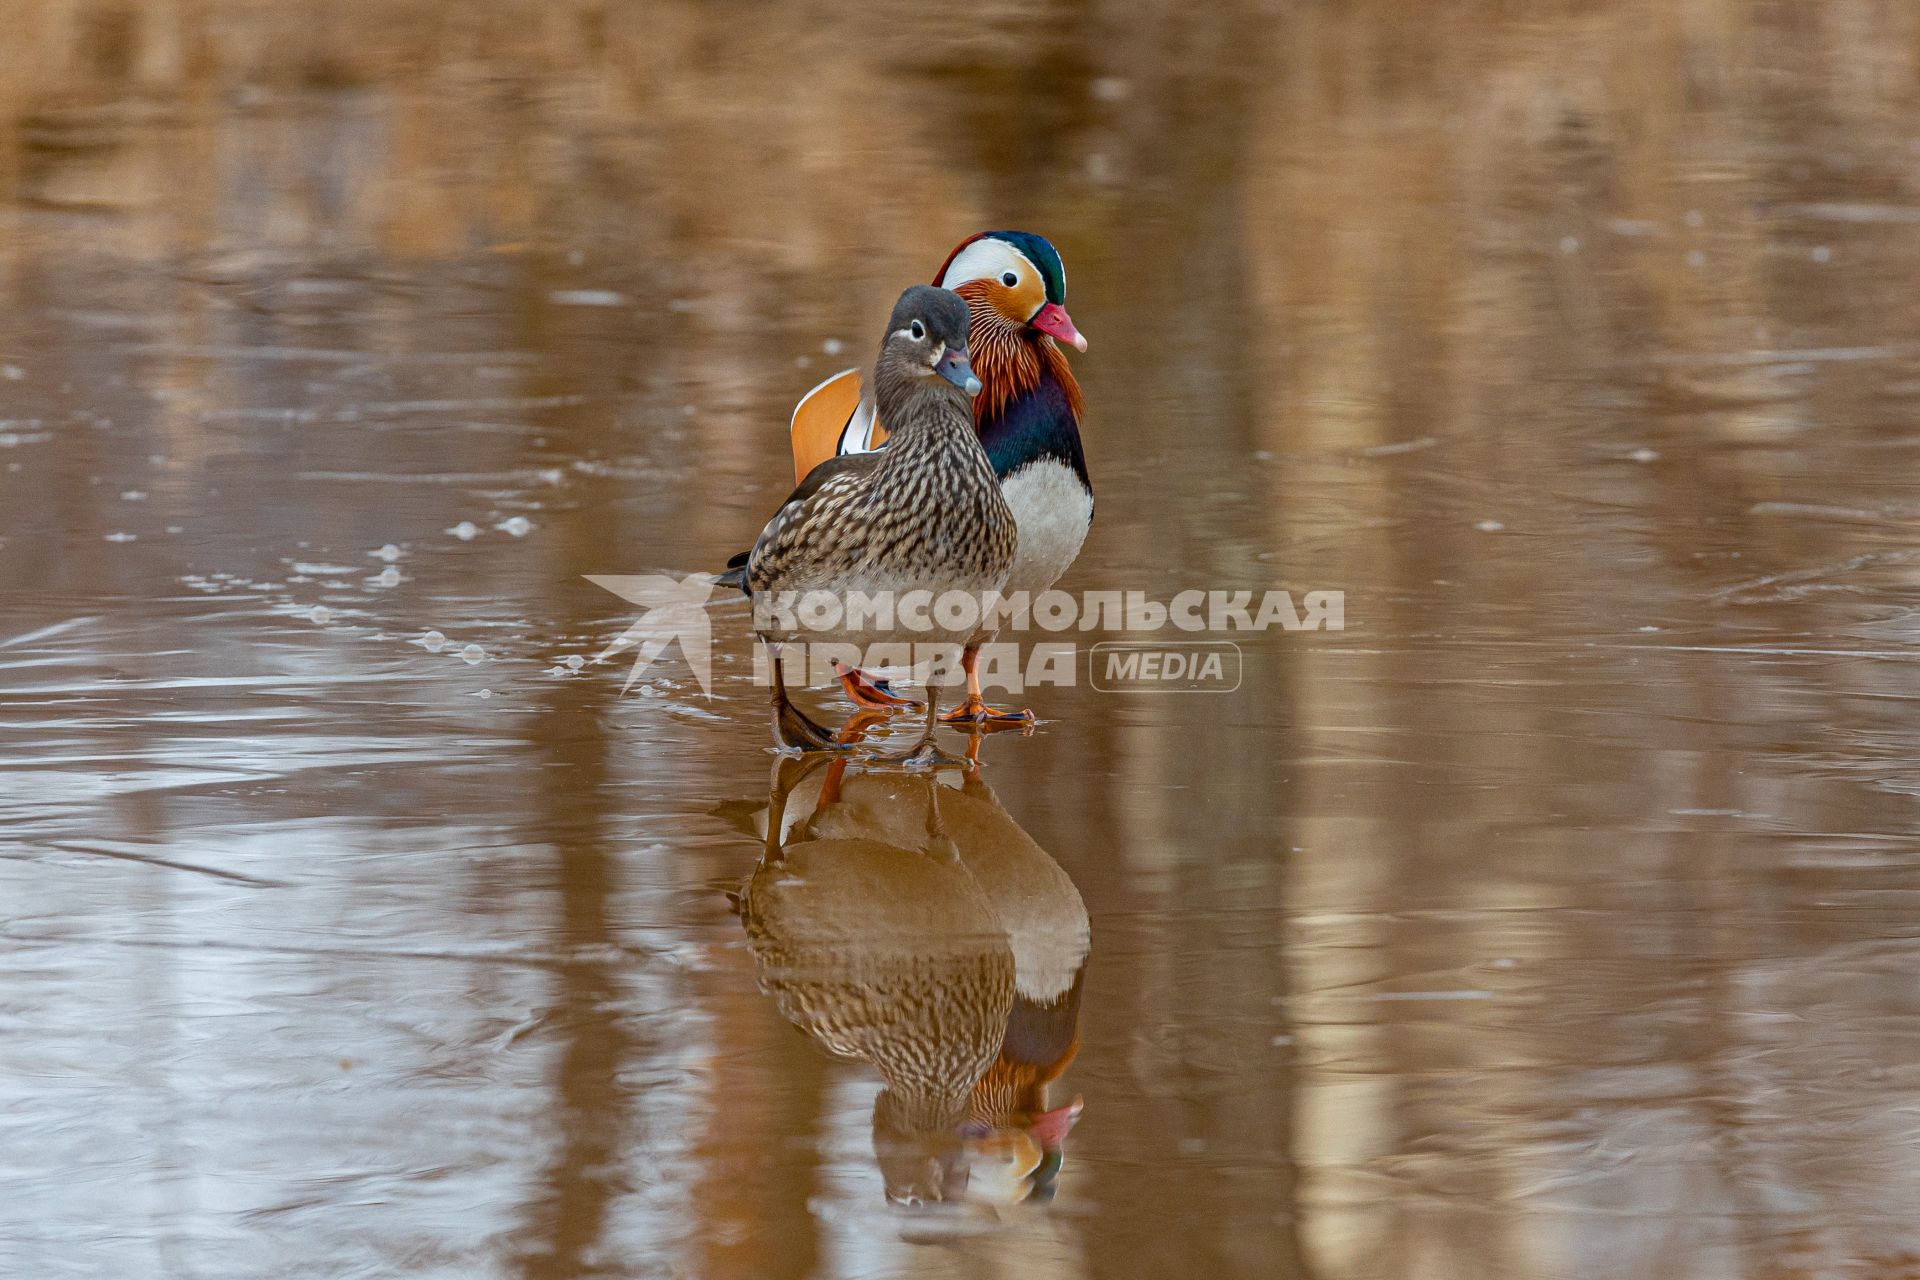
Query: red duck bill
pixel 1053 319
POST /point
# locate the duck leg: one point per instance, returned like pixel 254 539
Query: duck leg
pixel 869 693
pixel 851 732
pixel 786 775
pixel 975 709
pixel 791 726
pixel 925 754
pixel 939 844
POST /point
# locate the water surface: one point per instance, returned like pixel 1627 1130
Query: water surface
pixel 1555 918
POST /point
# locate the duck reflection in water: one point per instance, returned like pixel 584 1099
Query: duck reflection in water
pixel 914 926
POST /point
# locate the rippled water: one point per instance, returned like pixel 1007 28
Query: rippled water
pixel 1557 917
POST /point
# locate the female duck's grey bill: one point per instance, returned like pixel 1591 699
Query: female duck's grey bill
pixel 954 368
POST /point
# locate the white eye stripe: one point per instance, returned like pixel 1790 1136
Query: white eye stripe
pixel 984 260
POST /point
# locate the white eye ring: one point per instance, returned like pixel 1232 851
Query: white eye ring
pixel 918 331
pixel 1009 279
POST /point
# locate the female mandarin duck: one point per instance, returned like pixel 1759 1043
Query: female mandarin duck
pixel 1036 903
pixel 1027 413
pixel 917 928
pixel 881 948
pixel 925 514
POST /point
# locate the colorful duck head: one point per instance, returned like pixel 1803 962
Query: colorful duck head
pixel 1018 276
pixel 1029 405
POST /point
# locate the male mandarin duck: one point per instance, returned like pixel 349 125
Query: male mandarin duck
pixel 1027 413
pixel 1045 918
pixel 924 514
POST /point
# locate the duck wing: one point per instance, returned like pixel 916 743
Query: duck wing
pixel 851 465
pixel 834 418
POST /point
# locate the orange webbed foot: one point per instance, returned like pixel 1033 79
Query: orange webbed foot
pixel 868 693
pixel 975 711
pixel 860 725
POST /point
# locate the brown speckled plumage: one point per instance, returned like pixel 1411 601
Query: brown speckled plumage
pixel 880 955
pixel 915 927
pixel 926 513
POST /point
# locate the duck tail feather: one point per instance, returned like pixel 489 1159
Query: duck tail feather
pixel 736 574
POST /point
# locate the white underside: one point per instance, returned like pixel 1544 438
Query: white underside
pixel 1054 511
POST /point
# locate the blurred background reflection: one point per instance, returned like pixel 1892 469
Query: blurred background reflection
pixel 1555 918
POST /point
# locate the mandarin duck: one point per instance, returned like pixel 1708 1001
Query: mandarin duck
pixel 880 947
pixel 1027 413
pixel 1045 919
pixel 1015 1140
pixel 924 514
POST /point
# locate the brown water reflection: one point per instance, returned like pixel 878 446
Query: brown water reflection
pixel 920 930
pixel 1556 918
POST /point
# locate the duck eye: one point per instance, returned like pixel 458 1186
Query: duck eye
pixel 918 331
pixel 1009 279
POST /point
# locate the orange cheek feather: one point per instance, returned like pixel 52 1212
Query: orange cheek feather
pixel 1019 302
